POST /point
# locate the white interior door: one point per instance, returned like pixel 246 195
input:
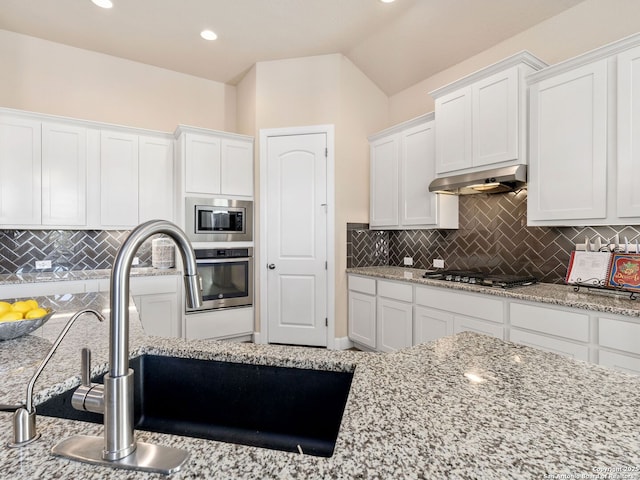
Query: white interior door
pixel 296 236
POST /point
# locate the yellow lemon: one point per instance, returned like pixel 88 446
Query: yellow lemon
pixel 32 303
pixel 35 313
pixel 20 306
pixel 5 307
pixel 10 316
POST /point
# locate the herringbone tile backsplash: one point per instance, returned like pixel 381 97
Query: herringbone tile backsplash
pixel 66 249
pixel 492 236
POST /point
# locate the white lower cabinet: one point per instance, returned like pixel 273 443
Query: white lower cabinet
pixel 158 299
pixel 362 319
pixel 430 324
pixel 469 324
pixel 226 323
pixel 388 315
pixel 394 329
pixel 618 342
pixel 558 330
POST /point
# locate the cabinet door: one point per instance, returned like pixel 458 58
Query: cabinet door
pixel 628 192
pixel 549 344
pixel 625 363
pixel 20 169
pixel 64 175
pixel 464 324
pixel 118 179
pixel 417 169
pixel 453 135
pixel 394 325
pixel 429 324
pixel 495 118
pixel 156 182
pixel 202 164
pixel 236 171
pixel 159 314
pixel 384 182
pixel 568 144
pixel 362 319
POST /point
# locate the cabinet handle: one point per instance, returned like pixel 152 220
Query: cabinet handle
pixel 271 266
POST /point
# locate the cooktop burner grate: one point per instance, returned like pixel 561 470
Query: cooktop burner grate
pixel 481 278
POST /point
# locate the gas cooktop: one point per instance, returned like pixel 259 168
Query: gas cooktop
pixel 481 278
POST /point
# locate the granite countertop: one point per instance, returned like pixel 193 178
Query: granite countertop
pixel 563 295
pixel 61 276
pixel 464 407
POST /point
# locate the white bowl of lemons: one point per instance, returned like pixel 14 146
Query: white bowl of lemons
pixel 21 317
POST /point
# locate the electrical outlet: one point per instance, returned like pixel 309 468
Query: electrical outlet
pixel 408 261
pixel 438 263
pixel 43 264
pixel 136 261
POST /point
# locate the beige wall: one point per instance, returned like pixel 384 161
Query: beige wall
pixel 46 77
pixel 325 89
pixel 586 26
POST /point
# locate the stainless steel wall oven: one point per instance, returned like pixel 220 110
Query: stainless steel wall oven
pixel 226 275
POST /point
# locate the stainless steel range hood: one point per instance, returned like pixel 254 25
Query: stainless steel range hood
pixel 495 180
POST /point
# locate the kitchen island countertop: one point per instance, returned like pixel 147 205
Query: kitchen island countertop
pixel 551 293
pixel 467 406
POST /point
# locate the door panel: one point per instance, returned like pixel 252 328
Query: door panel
pixel 296 239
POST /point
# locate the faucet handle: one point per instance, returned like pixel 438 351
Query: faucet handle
pixel 85 366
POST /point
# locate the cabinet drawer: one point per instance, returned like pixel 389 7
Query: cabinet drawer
pixel 554 345
pixel 153 285
pixel 626 363
pixel 397 291
pixel 25 290
pixel 462 303
pixel 362 284
pixel 619 334
pixel 562 323
pixel 465 324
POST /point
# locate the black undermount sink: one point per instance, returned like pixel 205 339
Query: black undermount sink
pixel 281 408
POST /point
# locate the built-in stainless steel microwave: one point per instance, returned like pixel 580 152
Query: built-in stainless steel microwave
pixel 218 220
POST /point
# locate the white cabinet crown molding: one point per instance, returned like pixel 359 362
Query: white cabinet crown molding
pixel 46 117
pixel 427 117
pixel 600 53
pixel 181 129
pixel 523 57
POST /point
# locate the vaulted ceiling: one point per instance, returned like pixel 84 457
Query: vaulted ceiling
pixel 395 44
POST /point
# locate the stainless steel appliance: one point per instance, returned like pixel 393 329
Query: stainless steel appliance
pixel 226 276
pixel 218 219
pixel 481 278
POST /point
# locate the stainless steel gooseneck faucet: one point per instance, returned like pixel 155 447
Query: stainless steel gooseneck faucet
pixel 115 399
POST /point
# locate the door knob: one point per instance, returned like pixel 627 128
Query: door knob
pixel 271 266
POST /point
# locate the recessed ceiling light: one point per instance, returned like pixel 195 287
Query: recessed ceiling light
pixel 208 35
pixel 103 3
pixel 387 1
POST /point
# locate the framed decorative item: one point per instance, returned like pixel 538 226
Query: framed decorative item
pixel 624 271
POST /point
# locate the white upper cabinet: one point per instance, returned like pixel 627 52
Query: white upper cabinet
pixel 568 166
pixel 156 182
pixel 202 164
pixel 402 166
pixel 216 163
pixel 118 179
pixel 20 171
pixel 482 117
pixel 585 139
pixel 236 167
pixel 453 140
pixel 384 181
pixel 628 193
pixel 495 117
pixel 64 175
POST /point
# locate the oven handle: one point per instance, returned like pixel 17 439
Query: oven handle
pixel 210 261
